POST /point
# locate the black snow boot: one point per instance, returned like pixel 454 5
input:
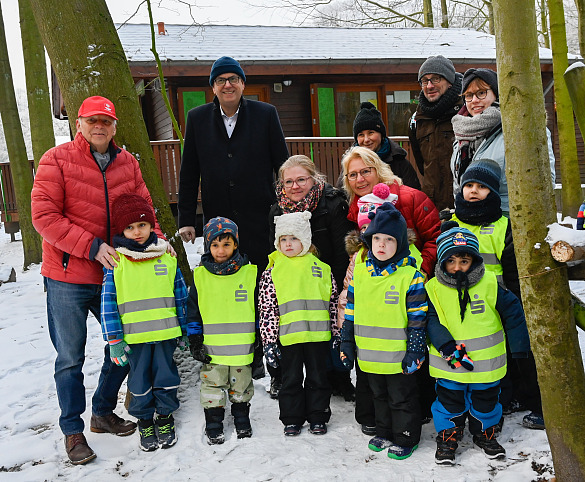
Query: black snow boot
pixel 447 445
pixel 214 425
pixel 241 413
pixel 487 442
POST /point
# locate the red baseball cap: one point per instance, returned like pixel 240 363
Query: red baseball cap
pixel 97 105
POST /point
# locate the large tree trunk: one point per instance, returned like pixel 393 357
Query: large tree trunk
pixel 428 14
pixel 444 14
pixel 88 59
pixel 544 284
pixel 21 171
pixel 37 85
pixel 570 177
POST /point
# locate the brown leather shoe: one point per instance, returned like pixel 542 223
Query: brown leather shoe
pixel 78 451
pixel 111 423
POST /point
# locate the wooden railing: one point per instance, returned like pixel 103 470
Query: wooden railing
pixel 326 153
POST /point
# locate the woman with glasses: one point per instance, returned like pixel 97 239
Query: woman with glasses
pixel 300 187
pixel 478 130
pixel 362 170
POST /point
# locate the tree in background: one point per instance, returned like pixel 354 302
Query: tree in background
pixel 37 85
pixel 21 171
pixel 570 177
pixel 88 59
pixel 544 283
pixel 581 16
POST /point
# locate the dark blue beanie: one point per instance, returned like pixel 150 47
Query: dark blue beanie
pixel 388 220
pixel 225 65
pixel 483 171
pixel 456 240
pixel 216 227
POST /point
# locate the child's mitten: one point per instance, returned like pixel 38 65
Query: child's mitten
pixel 347 354
pixel 118 352
pixel 272 354
pixel 415 350
pixel 448 351
pixel 412 362
pixel 463 357
pixel 183 342
pixel 197 349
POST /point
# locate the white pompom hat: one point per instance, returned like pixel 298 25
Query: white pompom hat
pixel 294 224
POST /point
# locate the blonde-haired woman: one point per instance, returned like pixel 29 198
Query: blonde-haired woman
pixel 301 187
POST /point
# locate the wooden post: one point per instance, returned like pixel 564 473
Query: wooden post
pixel 575 80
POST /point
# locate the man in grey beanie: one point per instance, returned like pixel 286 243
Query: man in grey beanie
pixel 431 131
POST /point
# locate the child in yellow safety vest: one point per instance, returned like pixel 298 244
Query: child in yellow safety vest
pixel 385 318
pixel 477 208
pixel 143 318
pixel 221 328
pixel 298 311
pixel 470 316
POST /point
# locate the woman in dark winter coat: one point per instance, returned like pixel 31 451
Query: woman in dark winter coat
pixel 301 187
pixel 369 131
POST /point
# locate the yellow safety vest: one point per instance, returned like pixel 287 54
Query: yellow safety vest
pixel 303 290
pixel 481 331
pixel 226 304
pixel 492 240
pixel 146 299
pixel 380 318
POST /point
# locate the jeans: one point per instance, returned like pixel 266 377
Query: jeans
pixel 68 306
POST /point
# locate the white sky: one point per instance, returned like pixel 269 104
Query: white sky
pixel 225 12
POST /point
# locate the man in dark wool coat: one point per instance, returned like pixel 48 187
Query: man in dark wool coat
pixel 235 146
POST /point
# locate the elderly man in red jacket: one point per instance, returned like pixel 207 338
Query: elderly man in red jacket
pixel 75 186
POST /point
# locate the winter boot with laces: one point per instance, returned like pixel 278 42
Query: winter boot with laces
pixel 214 425
pixel 241 413
pixel 148 438
pixel 486 441
pixel 377 444
pixel 165 431
pixel 447 445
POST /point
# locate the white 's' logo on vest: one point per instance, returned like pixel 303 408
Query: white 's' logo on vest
pixel 160 269
pixel 317 271
pixel 477 307
pixel 392 297
pixel 487 229
pixel 241 295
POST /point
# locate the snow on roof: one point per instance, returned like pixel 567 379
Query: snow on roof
pixel 183 43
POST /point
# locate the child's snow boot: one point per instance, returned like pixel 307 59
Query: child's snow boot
pixel 377 444
pixel 148 439
pixel 214 425
pixel 165 431
pixel 398 452
pixel 534 421
pixel 486 441
pixel 241 413
pixel 447 445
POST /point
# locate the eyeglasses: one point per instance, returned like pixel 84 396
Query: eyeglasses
pixel 480 94
pixel 366 172
pixel 300 181
pixel 234 79
pixel 435 79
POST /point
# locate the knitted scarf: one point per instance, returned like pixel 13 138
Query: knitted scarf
pixel 461 282
pixel 152 248
pixel 478 213
pixel 384 149
pixel 470 132
pixel 445 103
pixel 230 266
pixel 308 203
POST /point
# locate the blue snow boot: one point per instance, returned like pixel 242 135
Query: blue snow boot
pixel 534 421
pixel 165 431
pixel 377 444
pixel 148 439
pixel 398 452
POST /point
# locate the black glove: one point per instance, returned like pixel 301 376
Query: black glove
pixel 198 351
pixel 347 354
pixel 272 354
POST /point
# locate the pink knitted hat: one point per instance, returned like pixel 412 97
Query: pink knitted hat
pixel 370 202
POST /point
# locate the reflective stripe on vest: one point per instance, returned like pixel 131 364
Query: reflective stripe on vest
pixel 380 318
pixel 303 290
pixel 146 299
pixel 226 304
pixel 481 331
pixel 492 240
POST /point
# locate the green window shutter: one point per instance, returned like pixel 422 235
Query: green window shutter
pixel 193 99
pixel 326 104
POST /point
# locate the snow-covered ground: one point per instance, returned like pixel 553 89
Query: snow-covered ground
pixel 31 444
